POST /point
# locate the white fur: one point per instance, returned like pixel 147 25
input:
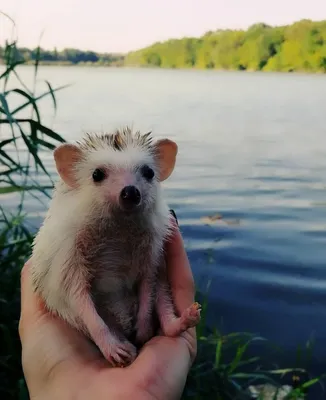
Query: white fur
pixel 54 244
pixel 128 158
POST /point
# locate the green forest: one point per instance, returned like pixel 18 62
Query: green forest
pixel 297 47
pixel 65 57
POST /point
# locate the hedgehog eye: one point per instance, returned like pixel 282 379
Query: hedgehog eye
pixel 98 175
pixel 147 172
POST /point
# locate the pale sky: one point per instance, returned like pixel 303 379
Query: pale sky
pixel 123 25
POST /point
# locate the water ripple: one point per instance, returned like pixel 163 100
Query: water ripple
pixel 252 154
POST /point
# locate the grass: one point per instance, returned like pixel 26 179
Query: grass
pixel 21 127
pixel 228 363
pixel 224 366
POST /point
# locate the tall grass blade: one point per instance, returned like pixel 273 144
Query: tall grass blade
pixel 11 68
pixel 19 108
pixel 31 101
pixel 52 93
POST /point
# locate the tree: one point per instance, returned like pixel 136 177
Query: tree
pixel 297 47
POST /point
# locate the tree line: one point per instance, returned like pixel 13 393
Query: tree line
pixel 66 56
pixel 297 47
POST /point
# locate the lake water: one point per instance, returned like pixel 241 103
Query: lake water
pixel 252 148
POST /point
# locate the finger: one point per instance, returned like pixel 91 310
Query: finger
pixel 179 271
pixel 32 306
pixel 162 366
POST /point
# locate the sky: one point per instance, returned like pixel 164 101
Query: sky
pixel 125 25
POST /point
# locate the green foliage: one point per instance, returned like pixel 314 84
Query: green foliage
pixel 297 47
pixel 27 131
pixel 15 244
pixel 227 364
pixel 66 56
pixel 21 127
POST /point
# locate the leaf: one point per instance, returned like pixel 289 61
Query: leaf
pixel 11 68
pixel 310 383
pixel 5 155
pixel 52 94
pixel 32 101
pixel 47 131
pixel 45 144
pixel 10 171
pixel 34 124
pixel 26 231
pixel 33 151
pixel 4 142
pixel 38 98
pixel 5 106
pixel 37 61
pixel 4 103
pixel 8 57
pixel 21 82
pixel 14 189
pixel 240 352
pixel 218 351
pixel 285 371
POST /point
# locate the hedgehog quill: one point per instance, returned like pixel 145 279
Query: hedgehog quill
pixel 98 258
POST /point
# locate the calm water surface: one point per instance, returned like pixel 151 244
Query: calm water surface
pixel 252 148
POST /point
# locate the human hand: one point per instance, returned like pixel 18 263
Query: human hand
pixel 61 363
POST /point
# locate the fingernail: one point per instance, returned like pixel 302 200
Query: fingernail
pixel 174 215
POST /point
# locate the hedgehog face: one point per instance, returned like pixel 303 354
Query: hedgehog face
pixel 120 170
pixel 127 178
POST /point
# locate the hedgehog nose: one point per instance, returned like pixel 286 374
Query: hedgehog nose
pixel 130 196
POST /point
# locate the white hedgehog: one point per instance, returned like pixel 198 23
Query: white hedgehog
pixel 98 258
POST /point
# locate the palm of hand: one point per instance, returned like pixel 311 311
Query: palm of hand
pixel 59 362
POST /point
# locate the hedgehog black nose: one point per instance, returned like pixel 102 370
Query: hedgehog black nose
pixel 130 196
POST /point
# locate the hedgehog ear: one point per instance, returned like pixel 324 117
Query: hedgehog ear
pixel 166 153
pixel 66 156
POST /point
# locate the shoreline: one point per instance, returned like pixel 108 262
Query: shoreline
pixel 100 65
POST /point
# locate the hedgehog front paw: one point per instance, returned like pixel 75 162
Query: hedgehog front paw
pixel 120 354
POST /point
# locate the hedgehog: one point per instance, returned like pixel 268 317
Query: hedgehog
pixel 98 259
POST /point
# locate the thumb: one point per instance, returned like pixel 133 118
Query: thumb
pixel 162 366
